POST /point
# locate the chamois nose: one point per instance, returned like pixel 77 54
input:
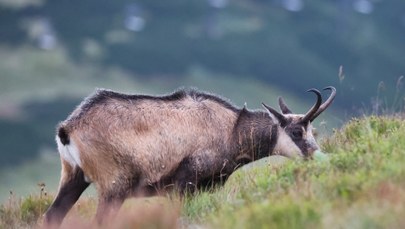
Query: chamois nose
pixel 311 149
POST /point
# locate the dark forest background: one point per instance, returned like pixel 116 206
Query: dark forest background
pixel 53 53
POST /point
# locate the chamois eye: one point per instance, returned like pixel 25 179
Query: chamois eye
pixel 297 134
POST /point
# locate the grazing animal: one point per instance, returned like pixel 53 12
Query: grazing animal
pixel 139 144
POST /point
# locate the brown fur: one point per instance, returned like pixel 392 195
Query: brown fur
pixel 137 144
pixel 148 138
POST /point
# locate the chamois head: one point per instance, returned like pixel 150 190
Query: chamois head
pixel 295 137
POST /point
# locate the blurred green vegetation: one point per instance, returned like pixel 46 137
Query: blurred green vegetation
pixel 293 49
pixel 53 53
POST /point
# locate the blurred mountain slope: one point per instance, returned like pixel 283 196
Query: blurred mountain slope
pixel 54 53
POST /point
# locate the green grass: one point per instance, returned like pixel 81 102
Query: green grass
pixel 24 213
pixel 361 186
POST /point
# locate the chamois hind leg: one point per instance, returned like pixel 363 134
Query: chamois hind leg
pixel 112 196
pixel 72 185
pixel 107 208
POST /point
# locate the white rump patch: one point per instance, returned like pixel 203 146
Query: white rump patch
pixel 285 145
pixel 69 152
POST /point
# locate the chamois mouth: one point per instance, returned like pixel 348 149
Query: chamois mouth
pixel 299 156
pixel 278 160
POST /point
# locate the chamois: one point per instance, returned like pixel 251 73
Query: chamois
pixel 129 145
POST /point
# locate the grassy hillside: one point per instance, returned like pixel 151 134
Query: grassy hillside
pixel 362 185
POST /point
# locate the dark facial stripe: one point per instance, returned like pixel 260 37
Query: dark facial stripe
pixel 301 142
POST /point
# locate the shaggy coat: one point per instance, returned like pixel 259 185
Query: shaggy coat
pixel 138 145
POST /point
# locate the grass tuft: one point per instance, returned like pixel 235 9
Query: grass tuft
pixel 26 212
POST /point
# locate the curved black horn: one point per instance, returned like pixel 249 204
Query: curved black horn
pixel 284 108
pixel 277 114
pixel 327 103
pixel 308 116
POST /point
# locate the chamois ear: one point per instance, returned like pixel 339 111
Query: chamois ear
pixel 275 115
pixel 283 106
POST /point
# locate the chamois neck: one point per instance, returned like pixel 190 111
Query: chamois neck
pixel 255 136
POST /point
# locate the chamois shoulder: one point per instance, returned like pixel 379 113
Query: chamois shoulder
pixel 256 117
